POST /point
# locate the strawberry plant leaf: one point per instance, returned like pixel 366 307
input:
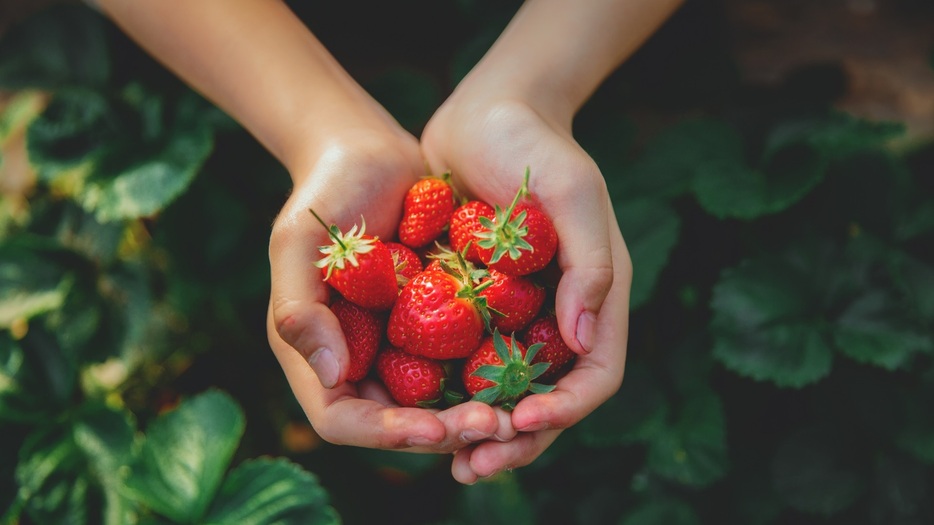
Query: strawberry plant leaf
pixel 764 325
pixel 831 136
pixel 636 413
pixel 872 330
pixel 917 435
pixel 107 438
pixel 266 491
pixel 52 477
pixel 62 46
pixel 915 280
pixel 692 450
pixel 184 456
pixel 661 511
pixel 651 229
pixel 813 472
pixel 30 285
pixel 498 501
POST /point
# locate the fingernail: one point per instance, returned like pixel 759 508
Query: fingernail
pixel 472 434
pixel 420 441
pixel 534 427
pixel 586 324
pixel 326 366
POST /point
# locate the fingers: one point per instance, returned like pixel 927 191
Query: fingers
pixel 301 317
pixel 486 459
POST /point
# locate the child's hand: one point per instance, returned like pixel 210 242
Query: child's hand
pixel 359 174
pixel 487 145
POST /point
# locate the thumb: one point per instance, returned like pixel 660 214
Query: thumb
pixel 298 299
pixel 585 259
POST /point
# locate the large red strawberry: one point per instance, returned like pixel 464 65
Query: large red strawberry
pixel 413 381
pixel 363 329
pixel 439 314
pixel 426 211
pixel 514 301
pixel 407 262
pixel 544 330
pixel 500 372
pixel 359 266
pixel 465 223
pixel 520 239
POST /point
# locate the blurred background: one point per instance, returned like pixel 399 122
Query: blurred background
pixel 772 168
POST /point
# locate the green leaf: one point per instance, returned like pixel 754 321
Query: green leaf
pixel 766 324
pixel 61 46
pixel 871 330
pixel 497 501
pixel 661 511
pixel 831 136
pixel 917 435
pixel 915 280
pixel 266 491
pixel 184 456
pixel 814 472
pixel 411 96
pixel 692 450
pixel 107 439
pixel 651 230
pixel 30 285
pixel 53 483
pixel 637 412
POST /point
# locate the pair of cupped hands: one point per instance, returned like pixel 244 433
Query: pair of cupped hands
pixel 363 168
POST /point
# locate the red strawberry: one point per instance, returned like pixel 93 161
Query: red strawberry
pixel 426 212
pixel 363 329
pixel 500 372
pixel 439 314
pixel 544 330
pixel 360 267
pixel 520 239
pixel 465 223
pixel 413 381
pixel 515 301
pixel 407 262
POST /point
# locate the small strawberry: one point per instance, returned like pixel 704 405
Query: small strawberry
pixel 520 239
pixel 465 223
pixel 413 381
pixel 544 330
pixel 359 266
pixel 500 372
pixel 439 314
pixel 514 300
pixel 363 329
pixel 426 211
pixel 407 262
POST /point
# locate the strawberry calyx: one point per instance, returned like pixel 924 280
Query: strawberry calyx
pixel 505 234
pixel 514 378
pixel 472 281
pixel 345 248
pixel 456 264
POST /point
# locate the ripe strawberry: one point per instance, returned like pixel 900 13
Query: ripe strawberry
pixel 500 372
pixel 465 223
pixel 413 381
pixel 515 301
pixel 359 266
pixel 363 329
pixel 406 262
pixel 426 211
pixel 544 330
pixel 521 231
pixel 439 314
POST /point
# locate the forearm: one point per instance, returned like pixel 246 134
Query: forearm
pixel 555 53
pixel 258 62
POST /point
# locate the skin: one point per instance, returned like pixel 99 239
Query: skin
pixel 346 155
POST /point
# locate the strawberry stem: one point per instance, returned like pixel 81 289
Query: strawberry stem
pixel 333 231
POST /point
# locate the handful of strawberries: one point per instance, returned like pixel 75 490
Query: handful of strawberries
pixel 457 306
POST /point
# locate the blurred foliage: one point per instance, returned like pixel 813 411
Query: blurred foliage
pixel 780 358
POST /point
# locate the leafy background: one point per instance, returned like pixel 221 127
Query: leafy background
pixel 772 168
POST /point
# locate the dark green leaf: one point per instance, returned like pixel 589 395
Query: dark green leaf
pixel 765 324
pixel 813 472
pixel 915 280
pixel 497 501
pixel 30 284
pixel 872 330
pixel 107 438
pixel 61 46
pixel 917 435
pixel 832 136
pixel 266 491
pixel 661 511
pixel 53 482
pixel 651 230
pixel 185 455
pixel 692 450
pixel 636 413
